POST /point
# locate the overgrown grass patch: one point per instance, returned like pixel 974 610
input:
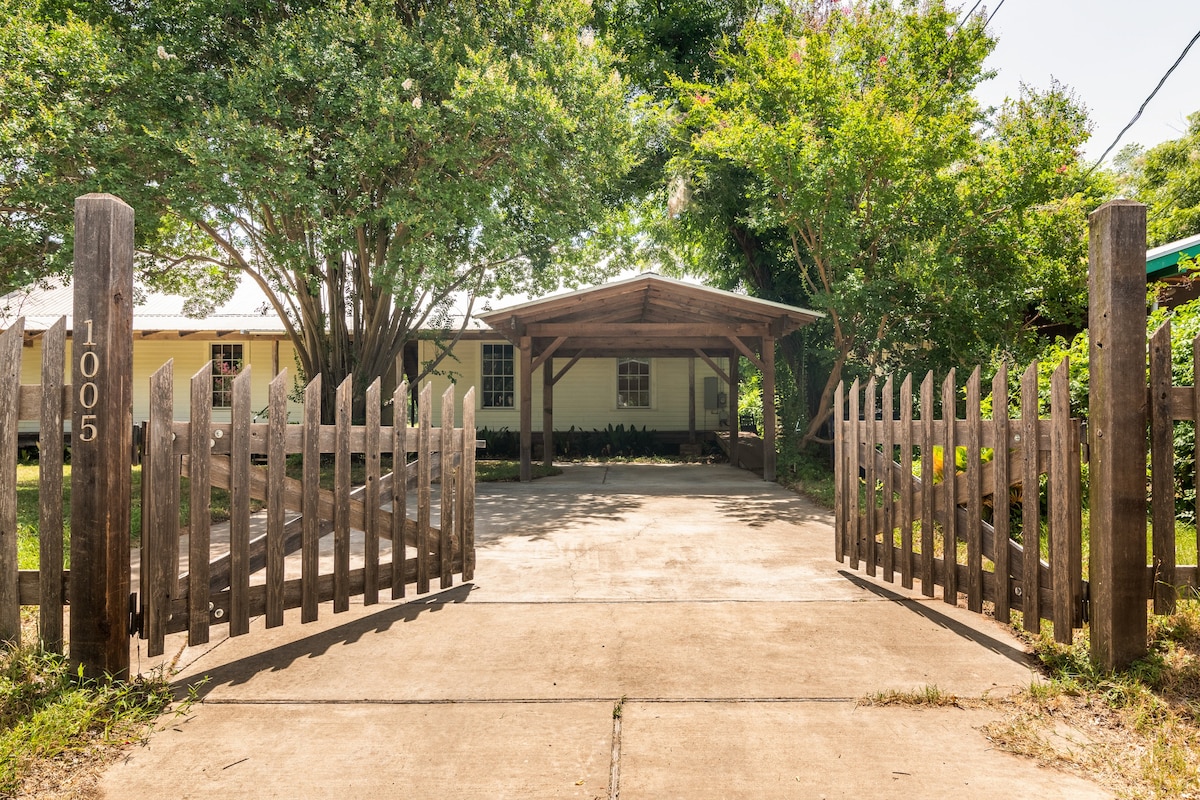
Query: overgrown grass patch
pixel 1137 731
pixel 498 470
pixel 57 728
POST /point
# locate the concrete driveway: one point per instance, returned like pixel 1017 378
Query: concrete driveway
pixel 634 631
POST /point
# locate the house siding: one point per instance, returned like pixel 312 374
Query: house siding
pixel 586 397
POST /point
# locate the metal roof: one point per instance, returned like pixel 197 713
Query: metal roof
pixel 1163 261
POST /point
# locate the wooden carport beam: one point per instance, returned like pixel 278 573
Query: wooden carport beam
pixel 546 354
pixel 712 365
pixel 574 360
pixel 747 352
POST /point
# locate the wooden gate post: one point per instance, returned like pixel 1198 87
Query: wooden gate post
pixel 1117 401
pixel 101 435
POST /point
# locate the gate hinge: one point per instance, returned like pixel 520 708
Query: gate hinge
pixel 136 617
pixel 1086 603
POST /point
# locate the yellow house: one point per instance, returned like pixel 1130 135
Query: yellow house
pixel 648 352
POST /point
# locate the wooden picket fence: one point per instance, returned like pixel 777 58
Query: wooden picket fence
pixel 217 586
pixel 951 526
pixel 1165 579
pixel 212 582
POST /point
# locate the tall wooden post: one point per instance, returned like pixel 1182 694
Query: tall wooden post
pixel 768 401
pixel 691 399
pixel 101 435
pixel 548 412
pixel 526 409
pixel 735 427
pixel 1117 402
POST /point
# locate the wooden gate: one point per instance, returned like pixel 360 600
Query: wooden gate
pixel 312 543
pixel 958 502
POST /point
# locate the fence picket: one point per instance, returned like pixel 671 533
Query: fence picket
pixel 160 517
pixel 974 532
pixel 424 479
pixel 927 429
pixel 310 536
pixel 371 528
pixel 839 472
pixel 1030 500
pixel 467 486
pixel 239 505
pixel 199 500
pixel 889 484
pixel 1000 494
pixel 1061 530
pixel 50 483
pixel 10 400
pixel 854 436
pixel 949 493
pixel 906 483
pixel 341 497
pixel 1162 476
pixel 871 478
pixel 399 484
pixel 276 465
pixel 446 523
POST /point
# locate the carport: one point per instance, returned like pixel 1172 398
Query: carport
pixel 642 317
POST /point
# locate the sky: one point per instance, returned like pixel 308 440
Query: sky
pixel 1111 52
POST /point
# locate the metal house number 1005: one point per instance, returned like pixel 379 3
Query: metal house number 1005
pixel 89 365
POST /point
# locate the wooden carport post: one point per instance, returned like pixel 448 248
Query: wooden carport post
pixel 526 409
pixel 101 436
pixel 548 412
pixel 1117 402
pixel 768 401
pixel 735 428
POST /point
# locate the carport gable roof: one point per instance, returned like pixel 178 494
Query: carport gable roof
pixel 647 314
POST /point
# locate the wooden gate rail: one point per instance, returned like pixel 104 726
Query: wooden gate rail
pixel 878 495
pixel 216 590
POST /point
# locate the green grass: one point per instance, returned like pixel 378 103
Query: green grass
pixel 54 725
pixel 1140 728
pixel 496 470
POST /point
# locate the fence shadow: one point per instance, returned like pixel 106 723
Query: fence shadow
pixel 929 611
pixel 235 673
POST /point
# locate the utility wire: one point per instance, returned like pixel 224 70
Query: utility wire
pixel 1145 103
pixel 995 11
pixel 966 17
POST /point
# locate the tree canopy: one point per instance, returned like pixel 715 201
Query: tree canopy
pixel 840 162
pixel 362 162
pixel 1167 179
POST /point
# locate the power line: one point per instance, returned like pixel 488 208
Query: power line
pixel 995 11
pixel 966 17
pixel 1145 103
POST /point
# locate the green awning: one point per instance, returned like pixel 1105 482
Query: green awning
pixel 1163 262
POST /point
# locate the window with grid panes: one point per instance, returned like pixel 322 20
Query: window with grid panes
pixel 498 382
pixel 227 362
pixel 633 383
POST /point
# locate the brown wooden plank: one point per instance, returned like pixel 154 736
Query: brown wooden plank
pixel 400 494
pixel 294 441
pixel 926 499
pixel 1195 393
pixel 547 413
pixel 841 513
pixel 50 486
pixel 10 387
pixel 974 531
pixel 447 492
pixel 1030 500
pixel 887 512
pixel 905 483
pixel 949 472
pixel 424 480
pixel 525 399
pixel 160 519
pixel 852 496
pixel 239 505
pixel 1000 490
pixel 467 487
pixel 1062 539
pixel 310 547
pixel 1162 470
pixel 373 474
pixel 276 466
pixel 199 499
pixel 341 497
pixel 292 595
pixel 872 478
